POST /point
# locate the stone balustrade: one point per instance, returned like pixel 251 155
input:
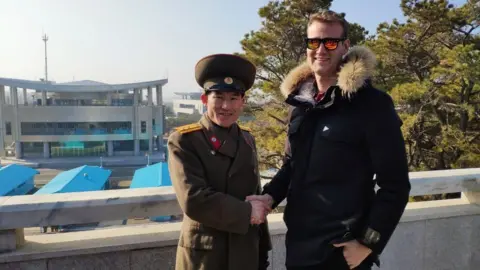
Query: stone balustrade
pixel 431 235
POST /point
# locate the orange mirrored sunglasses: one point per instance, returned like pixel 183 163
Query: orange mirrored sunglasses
pixel 329 43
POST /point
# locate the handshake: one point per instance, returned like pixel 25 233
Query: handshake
pixel 261 207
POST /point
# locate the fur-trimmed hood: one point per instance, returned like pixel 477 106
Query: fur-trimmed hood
pixel 358 66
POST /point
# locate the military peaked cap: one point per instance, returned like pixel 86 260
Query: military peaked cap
pixel 225 72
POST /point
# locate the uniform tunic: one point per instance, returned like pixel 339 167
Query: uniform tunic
pixel 213 169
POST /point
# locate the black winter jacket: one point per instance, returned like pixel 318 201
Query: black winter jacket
pixel 335 149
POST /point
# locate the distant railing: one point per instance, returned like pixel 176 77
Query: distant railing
pixel 19 212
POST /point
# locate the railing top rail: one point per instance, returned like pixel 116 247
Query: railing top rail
pixel 88 207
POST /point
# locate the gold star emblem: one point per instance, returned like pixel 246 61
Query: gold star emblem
pixel 228 80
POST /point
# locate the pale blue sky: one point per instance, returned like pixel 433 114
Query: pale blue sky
pixel 121 41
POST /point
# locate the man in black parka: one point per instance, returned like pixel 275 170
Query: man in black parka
pixel 343 137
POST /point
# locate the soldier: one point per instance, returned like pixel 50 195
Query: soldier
pixel 213 167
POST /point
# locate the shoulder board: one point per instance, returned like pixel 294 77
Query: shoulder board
pixel 245 128
pixel 189 128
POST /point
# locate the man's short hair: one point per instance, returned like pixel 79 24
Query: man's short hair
pixel 329 16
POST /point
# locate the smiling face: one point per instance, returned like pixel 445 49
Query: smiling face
pixel 223 108
pixel 322 61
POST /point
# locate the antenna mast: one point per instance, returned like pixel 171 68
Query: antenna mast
pixel 45 39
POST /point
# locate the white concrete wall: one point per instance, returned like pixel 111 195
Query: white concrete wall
pixel 435 235
pixel 447 241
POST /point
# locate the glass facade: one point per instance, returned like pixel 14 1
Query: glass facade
pixel 78 149
pixel 80 102
pixel 8 128
pixel 143 145
pixel 122 146
pixel 86 102
pixel 122 102
pixel 32 147
pixel 76 128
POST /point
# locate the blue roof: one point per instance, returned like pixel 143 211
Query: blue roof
pixel 14 175
pixel 155 175
pixel 84 178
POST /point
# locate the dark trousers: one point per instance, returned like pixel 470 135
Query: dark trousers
pixel 334 262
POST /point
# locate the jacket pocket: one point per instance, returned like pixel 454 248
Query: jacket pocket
pixel 196 238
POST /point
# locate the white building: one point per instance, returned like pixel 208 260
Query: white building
pixel 189 103
pixel 83 118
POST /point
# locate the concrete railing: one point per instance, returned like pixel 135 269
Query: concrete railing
pixel 139 245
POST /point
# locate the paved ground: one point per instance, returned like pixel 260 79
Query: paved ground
pixel 71 162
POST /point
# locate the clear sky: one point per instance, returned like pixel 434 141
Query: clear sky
pixel 121 41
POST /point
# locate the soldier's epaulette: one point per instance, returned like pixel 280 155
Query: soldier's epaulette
pixel 245 128
pixel 189 128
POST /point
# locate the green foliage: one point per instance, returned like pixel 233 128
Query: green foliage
pixel 431 65
pixel 180 120
pixel 276 48
pixel 168 111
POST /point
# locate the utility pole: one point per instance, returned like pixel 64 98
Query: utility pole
pixel 45 39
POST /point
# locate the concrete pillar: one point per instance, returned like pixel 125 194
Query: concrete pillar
pixel 150 97
pixel 159 141
pixel 2 94
pixel 11 239
pixel 135 96
pixel 136 142
pixel 2 124
pixel 471 191
pixel 18 149
pixel 159 117
pixel 46 149
pixel 44 98
pixel 109 99
pixel 25 102
pixel 136 147
pixel 14 96
pixel 150 135
pixel 16 123
pixel 159 95
pixel 110 148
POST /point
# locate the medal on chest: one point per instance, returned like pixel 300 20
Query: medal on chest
pixel 216 144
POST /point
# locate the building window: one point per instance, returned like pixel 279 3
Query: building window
pixel 78 128
pixel 143 145
pixel 143 126
pixel 78 148
pixel 8 128
pixel 187 106
pixel 122 146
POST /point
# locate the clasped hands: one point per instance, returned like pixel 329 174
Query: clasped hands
pixel 261 207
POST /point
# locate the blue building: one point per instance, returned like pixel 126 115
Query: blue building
pixel 156 175
pixel 16 180
pixel 84 178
